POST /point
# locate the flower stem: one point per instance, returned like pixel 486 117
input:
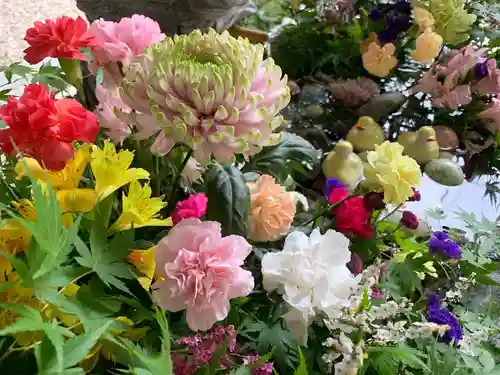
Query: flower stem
pixel 328 208
pixel 389 214
pixel 173 191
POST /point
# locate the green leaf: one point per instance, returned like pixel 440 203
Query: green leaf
pixel 291 156
pixel 302 369
pixel 16 69
pixel 388 357
pixel 228 199
pixel 243 370
pixel 77 348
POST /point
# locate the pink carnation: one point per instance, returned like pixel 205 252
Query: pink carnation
pixel 354 92
pixel 109 99
pixel 194 206
pixel 491 115
pixel 121 42
pixel 201 272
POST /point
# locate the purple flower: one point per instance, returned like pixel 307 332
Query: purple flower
pixel 396 18
pixel 481 70
pixel 440 315
pixel 330 184
pixel 441 243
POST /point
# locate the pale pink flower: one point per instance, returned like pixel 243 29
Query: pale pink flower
pixel 120 42
pixel 272 210
pixel 109 99
pixel 491 116
pixel 354 92
pixel 461 61
pixel 491 83
pixel 201 272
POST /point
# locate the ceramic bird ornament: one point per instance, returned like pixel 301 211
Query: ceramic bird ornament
pixel 420 145
pixel 366 134
pixel 344 164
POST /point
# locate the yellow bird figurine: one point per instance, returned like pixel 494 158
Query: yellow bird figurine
pixel 366 134
pixel 344 164
pixel 420 145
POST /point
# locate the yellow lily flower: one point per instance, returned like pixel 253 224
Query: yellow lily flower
pixel 111 169
pixel 14 238
pixel 140 210
pixel 77 200
pixel 27 210
pixel 67 178
pixel 144 262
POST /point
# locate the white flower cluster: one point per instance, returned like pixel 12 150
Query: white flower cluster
pixel 352 355
pixel 463 283
pixel 472 339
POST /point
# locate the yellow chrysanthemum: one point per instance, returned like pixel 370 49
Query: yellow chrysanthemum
pixel 144 261
pixel 111 169
pixel 14 238
pixel 388 170
pixel 67 178
pixel 380 61
pixel 139 209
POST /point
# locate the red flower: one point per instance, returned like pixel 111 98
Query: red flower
pixel 44 128
pixel 409 220
pixel 338 194
pixel 353 218
pixel 374 201
pixel 62 37
pixel 416 196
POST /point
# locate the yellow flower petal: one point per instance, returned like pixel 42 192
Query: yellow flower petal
pixel 428 46
pixel 77 200
pixel 144 261
pixel 67 178
pixel 111 169
pixel 25 208
pixel 139 209
pixel 380 61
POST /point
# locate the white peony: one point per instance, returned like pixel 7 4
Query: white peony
pixel 312 274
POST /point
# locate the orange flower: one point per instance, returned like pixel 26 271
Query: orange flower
pixel 423 18
pixel 271 210
pixel 364 44
pixel 379 61
pixel 427 46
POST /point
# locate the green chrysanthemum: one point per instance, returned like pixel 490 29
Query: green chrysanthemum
pixel 210 91
pixel 452 21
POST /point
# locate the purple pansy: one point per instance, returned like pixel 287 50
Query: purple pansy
pixel 440 315
pixel 330 184
pixel 481 70
pixel 396 18
pixel 441 243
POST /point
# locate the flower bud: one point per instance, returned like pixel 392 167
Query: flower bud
pixel 416 196
pixel 409 220
pixel 374 201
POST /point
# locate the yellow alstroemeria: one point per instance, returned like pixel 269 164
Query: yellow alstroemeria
pixel 16 294
pixel 27 210
pixel 140 210
pixel 67 178
pixel 77 200
pixel 14 238
pixel 111 169
pixel 144 261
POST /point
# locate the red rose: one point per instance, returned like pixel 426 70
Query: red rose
pixel 353 218
pixel 409 220
pixel 43 128
pixel 62 37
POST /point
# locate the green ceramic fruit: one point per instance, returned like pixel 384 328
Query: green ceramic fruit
pixel 445 172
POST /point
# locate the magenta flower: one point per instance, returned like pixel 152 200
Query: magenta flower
pixel 194 206
pixel 120 42
pixel 201 272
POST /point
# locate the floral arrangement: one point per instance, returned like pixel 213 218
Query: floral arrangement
pixel 175 228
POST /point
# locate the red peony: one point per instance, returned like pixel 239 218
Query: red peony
pixel 62 37
pixel 44 128
pixel 353 218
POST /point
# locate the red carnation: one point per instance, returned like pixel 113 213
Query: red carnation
pixel 353 218
pixel 338 194
pixel 44 128
pixel 62 37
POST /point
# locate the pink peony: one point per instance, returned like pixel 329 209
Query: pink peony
pixel 201 272
pixel 194 206
pixel 121 42
pixel 354 92
pixel 491 115
pixel 109 99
